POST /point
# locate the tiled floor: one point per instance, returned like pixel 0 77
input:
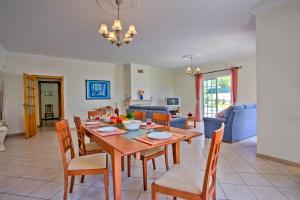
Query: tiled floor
pixel 31 169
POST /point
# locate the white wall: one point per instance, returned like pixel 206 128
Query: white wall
pixel 75 73
pixel 184 85
pixel 156 83
pixel 278 74
pixel 2 58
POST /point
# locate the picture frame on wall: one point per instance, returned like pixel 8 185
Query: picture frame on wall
pixel 97 89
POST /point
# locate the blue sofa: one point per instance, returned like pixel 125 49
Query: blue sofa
pixel 179 122
pixel 239 120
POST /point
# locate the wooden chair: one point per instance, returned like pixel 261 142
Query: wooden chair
pixel 189 183
pixel 151 154
pixel 81 165
pixel 139 115
pixel 86 148
pixel 94 113
pixel 49 114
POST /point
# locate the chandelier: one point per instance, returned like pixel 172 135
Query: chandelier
pixel 189 69
pixel 115 36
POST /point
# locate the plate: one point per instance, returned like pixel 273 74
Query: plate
pixel 107 129
pixel 92 123
pixel 160 135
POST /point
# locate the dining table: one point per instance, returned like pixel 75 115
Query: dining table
pixel 127 144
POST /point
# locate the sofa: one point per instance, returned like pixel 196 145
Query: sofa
pixel 179 122
pixel 239 120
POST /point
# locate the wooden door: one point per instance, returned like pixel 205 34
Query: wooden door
pixel 29 105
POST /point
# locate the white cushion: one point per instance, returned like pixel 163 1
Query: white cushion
pixel 183 179
pixel 92 146
pixel 152 151
pixel 95 161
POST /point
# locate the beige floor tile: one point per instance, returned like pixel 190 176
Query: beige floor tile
pixel 295 178
pixel 267 193
pixel 291 193
pixel 78 192
pixel 281 181
pixel 10 197
pixel 94 193
pixel 8 183
pixel 47 191
pixel 237 192
pixel 254 179
pixel 27 187
pixel 229 177
pixel 132 184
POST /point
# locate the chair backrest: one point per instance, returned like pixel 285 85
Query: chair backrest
pixel 139 115
pixel 80 135
pixel 209 185
pixel 161 118
pixel 107 110
pixel 93 113
pixel 65 140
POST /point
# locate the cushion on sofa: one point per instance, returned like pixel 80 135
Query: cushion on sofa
pixel 248 106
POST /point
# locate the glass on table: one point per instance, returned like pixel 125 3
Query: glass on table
pixel 148 121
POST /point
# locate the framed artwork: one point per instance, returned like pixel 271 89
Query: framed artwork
pixel 97 89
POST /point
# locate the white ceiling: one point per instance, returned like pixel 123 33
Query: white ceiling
pixel 167 30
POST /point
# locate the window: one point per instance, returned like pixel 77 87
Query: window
pixel 216 95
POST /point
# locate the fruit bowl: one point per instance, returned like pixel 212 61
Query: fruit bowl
pixel 132 125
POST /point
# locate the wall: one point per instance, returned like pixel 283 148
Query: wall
pixel 184 85
pixel 278 73
pixel 54 99
pixel 2 58
pixel 157 83
pixel 75 73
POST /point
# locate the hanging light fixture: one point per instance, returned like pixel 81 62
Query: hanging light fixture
pixel 115 36
pixel 189 69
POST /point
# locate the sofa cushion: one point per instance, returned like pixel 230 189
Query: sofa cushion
pixel 220 114
pixel 230 108
pixel 249 106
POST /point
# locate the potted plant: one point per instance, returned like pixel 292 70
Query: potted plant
pixel 3 128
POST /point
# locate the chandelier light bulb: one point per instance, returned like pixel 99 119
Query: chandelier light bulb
pixel 189 70
pixel 112 37
pixel 117 25
pixel 198 70
pixel 127 40
pixel 132 30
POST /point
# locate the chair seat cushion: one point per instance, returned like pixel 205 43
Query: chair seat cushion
pixel 92 146
pixel 95 161
pixel 152 151
pixel 183 179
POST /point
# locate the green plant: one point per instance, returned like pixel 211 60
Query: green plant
pixel 130 115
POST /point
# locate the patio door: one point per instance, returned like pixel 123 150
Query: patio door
pixel 216 95
pixel 29 105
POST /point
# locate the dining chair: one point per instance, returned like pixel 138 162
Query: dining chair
pixel 80 165
pixel 95 113
pixel 152 153
pixel 191 183
pixel 139 115
pixel 83 147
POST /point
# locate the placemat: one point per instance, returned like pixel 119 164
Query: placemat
pixel 147 140
pixel 116 132
pixel 147 127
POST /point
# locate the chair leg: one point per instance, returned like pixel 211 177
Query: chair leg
pixel 129 165
pixel 154 193
pixel 122 163
pixel 153 163
pixel 214 196
pixel 82 179
pixel 145 173
pixel 65 187
pixel 174 198
pixel 106 185
pixel 106 161
pixel 72 184
pixel 167 158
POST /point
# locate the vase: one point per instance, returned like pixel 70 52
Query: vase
pixel 141 97
pixel 3 131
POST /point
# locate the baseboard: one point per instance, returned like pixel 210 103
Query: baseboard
pixel 279 160
pixel 14 134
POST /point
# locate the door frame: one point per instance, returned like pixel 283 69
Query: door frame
pixel 40 97
pixel 61 92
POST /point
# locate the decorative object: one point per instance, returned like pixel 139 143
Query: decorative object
pixel 48 93
pixel 97 89
pixel 189 69
pixel 190 114
pixel 129 115
pixel 141 94
pixel 115 37
pixel 117 111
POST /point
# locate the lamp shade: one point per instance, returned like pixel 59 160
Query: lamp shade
pixel 132 30
pixel 103 29
pixel 198 71
pixel 117 25
pixel 189 70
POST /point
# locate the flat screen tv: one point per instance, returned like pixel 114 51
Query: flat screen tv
pixel 173 101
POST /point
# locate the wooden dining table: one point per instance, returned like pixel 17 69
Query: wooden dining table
pixel 126 144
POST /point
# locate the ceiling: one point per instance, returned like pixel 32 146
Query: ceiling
pixel 167 30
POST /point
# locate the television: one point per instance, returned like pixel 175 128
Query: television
pixel 173 101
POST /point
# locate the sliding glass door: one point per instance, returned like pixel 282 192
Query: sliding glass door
pixel 216 95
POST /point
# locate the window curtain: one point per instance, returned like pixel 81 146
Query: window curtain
pixel 198 87
pixel 234 85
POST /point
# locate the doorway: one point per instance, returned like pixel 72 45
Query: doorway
pixel 49 102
